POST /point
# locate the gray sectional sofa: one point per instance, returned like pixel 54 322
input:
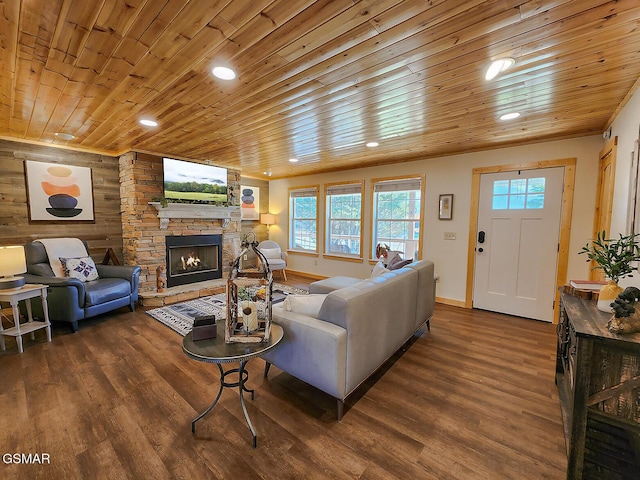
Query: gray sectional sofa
pixel 358 327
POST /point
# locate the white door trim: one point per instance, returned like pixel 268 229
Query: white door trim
pixel 569 165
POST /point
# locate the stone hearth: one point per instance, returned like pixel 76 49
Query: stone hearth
pixel 182 293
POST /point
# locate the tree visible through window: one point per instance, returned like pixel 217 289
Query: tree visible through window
pixel 344 219
pixel 303 218
pixel 396 212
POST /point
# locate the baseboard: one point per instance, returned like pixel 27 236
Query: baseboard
pixel 307 274
pixel 450 301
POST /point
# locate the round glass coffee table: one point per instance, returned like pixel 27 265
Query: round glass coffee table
pixel 215 350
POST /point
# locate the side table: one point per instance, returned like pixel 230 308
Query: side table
pixel 14 296
pixel 215 350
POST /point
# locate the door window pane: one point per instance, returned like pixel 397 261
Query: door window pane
pixel 521 193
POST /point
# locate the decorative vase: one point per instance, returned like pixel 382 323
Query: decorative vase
pixel 608 293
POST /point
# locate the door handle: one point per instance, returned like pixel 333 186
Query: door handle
pixel 481 236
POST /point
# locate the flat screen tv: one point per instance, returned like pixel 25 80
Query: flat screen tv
pixel 190 182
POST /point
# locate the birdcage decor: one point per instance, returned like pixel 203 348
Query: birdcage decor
pixel 249 298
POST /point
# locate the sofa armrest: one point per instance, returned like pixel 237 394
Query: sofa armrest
pixel 312 350
pixel 129 273
pixel 65 297
pixel 55 281
pixel 118 271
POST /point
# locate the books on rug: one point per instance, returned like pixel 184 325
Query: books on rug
pixel 179 316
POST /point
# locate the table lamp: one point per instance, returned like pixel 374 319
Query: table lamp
pixel 12 262
pixel 267 219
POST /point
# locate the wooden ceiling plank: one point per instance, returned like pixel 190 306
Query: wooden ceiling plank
pixel 354 16
pixel 273 16
pixel 37 24
pixel 8 53
pixel 149 69
pixel 150 23
pixel 239 13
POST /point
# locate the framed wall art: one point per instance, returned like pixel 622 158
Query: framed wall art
pixel 250 203
pixel 445 211
pixel 57 192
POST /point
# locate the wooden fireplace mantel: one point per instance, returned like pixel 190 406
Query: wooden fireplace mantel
pixel 187 210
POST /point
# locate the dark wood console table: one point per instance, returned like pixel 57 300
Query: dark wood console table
pixel 598 378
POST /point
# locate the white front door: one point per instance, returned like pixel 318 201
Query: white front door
pixel 517 243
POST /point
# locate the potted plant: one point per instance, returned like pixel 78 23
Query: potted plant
pixel 617 258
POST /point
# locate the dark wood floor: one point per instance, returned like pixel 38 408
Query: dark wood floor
pixel 472 399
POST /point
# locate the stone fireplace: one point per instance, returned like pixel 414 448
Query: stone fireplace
pixel 146 224
pixel 193 258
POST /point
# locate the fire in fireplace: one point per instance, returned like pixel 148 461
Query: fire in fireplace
pixel 193 258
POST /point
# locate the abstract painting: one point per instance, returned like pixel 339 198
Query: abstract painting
pixel 250 203
pixel 59 192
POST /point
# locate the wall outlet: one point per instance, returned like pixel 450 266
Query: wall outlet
pixel 449 235
pixel 245 257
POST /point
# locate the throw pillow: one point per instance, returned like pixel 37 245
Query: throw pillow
pixel 270 252
pixel 392 256
pixel 400 264
pixel 83 268
pixel 378 269
pixel 308 305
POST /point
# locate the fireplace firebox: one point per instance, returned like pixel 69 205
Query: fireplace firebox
pixel 193 258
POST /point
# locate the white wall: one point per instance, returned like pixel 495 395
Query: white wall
pixel 625 127
pixel 450 174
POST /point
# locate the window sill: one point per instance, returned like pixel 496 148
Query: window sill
pixel 303 253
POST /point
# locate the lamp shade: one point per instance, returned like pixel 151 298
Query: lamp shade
pixel 12 261
pixel 267 219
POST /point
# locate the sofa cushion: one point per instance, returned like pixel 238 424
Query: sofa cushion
pixel 392 257
pixel 332 283
pixel 308 305
pixel 81 268
pixel 379 269
pixel 399 264
pixel 105 290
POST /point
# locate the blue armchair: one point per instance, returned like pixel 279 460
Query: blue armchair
pixel 70 299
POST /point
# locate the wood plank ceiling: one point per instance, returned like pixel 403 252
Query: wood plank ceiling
pixel 316 79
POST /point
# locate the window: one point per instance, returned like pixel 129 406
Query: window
pixel 344 219
pixel 397 215
pixel 521 193
pixel 303 218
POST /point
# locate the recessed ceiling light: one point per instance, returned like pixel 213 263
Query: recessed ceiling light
pixel 372 144
pixel 148 123
pixel 64 136
pixel 293 160
pixel 497 66
pixel 223 73
pixel 268 173
pixel 509 116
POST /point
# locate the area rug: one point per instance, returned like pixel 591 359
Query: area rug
pixel 179 316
